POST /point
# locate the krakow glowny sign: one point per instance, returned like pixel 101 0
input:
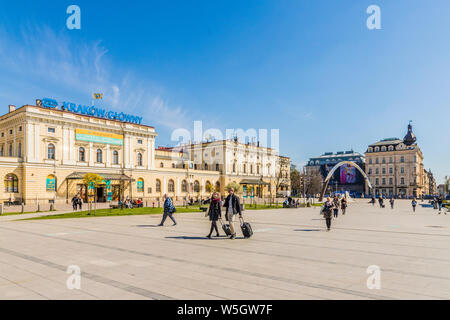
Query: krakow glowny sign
pixel 91 111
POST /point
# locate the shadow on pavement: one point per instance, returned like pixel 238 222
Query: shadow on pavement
pixel 199 238
pixel 309 230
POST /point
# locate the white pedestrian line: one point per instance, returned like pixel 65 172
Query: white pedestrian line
pixel 263 230
pixel 61 234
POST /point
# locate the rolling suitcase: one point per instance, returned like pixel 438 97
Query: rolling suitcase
pixel 226 228
pixel 246 229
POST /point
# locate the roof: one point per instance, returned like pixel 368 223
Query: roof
pixel 255 182
pixel 106 176
pixel 387 142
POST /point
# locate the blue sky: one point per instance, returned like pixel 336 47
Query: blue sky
pixel 309 68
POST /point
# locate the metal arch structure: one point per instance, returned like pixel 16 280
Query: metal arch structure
pixel 330 175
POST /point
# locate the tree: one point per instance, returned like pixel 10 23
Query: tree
pixel 234 185
pixel 92 180
pixel 296 181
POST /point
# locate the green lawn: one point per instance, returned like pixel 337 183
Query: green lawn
pixel 112 213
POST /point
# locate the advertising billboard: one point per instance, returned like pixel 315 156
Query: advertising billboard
pixel 99 137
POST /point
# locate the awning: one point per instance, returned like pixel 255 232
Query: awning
pixel 106 176
pixel 255 182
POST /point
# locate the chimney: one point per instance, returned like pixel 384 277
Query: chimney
pixel 12 108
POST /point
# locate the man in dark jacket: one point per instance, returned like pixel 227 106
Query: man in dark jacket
pixel 169 210
pixel 233 207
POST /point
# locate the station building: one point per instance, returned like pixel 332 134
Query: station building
pixel 45 152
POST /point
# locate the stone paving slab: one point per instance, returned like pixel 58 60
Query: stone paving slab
pixel 291 256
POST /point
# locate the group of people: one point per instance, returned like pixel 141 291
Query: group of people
pixel 232 209
pixel 77 203
pixel 331 209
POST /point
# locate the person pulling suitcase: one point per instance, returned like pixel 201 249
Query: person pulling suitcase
pixel 233 207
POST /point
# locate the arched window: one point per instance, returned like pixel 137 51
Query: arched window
pixel 173 166
pixel 51 151
pixel 51 183
pixel 184 186
pixel 171 186
pixel 196 186
pixel 81 155
pixel 206 166
pixel 158 185
pixel 99 156
pixel 140 185
pixel 115 157
pixel 208 187
pixel 234 167
pixel 11 183
pixel 139 159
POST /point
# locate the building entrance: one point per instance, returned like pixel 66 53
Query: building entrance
pixel 101 194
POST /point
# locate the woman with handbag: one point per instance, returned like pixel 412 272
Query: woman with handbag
pixel 327 212
pixel 214 213
pixel 169 210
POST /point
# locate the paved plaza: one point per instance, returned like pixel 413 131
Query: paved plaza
pixel 290 257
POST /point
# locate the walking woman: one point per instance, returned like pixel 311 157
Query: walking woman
pixel 344 205
pixel 327 214
pixel 414 204
pixel 336 207
pixel 214 213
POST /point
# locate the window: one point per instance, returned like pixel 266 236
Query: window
pixel 173 166
pixel 139 141
pixel 384 160
pixel 384 181
pixel 390 160
pixel 377 181
pixel 140 185
pixel 391 171
pixel 51 130
pixel 377 171
pixel 217 167
pixel 402 181
pixel 158 186
pixel 171 186
pixel 234 167
pixel 11 183
pixel 81 155
pixel 376 160
pixel 184 186
pixel 115 157
pixel 10 150
pixel 370 161
pixel 20 129
pixel 19 150
pixel 99 156
pixel 217 186
pixel 251 169
pixel 257 169
pixel 139 159
pixel 196 186
pixel 161 165
pixel 51 152
pixel 402 170
pixel 10 131
pixel 391 181
pixel 384 170
pixel 245 168
pixel 3 134
pixel 2 151
pixel 51 183
pixel 402 159
pixel 370 171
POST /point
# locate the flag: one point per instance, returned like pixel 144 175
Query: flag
pixel 98 96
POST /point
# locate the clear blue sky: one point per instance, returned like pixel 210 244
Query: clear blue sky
pixel 309 68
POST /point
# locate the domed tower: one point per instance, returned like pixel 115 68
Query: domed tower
pixel 410 137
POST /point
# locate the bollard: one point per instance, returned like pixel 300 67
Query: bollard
pixel 23 208
pixel 39 207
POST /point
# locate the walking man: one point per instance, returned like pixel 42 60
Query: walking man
pixel 327 212
pixel 169 210
pixel 440 201
pixel 233 207
pixel 392 202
